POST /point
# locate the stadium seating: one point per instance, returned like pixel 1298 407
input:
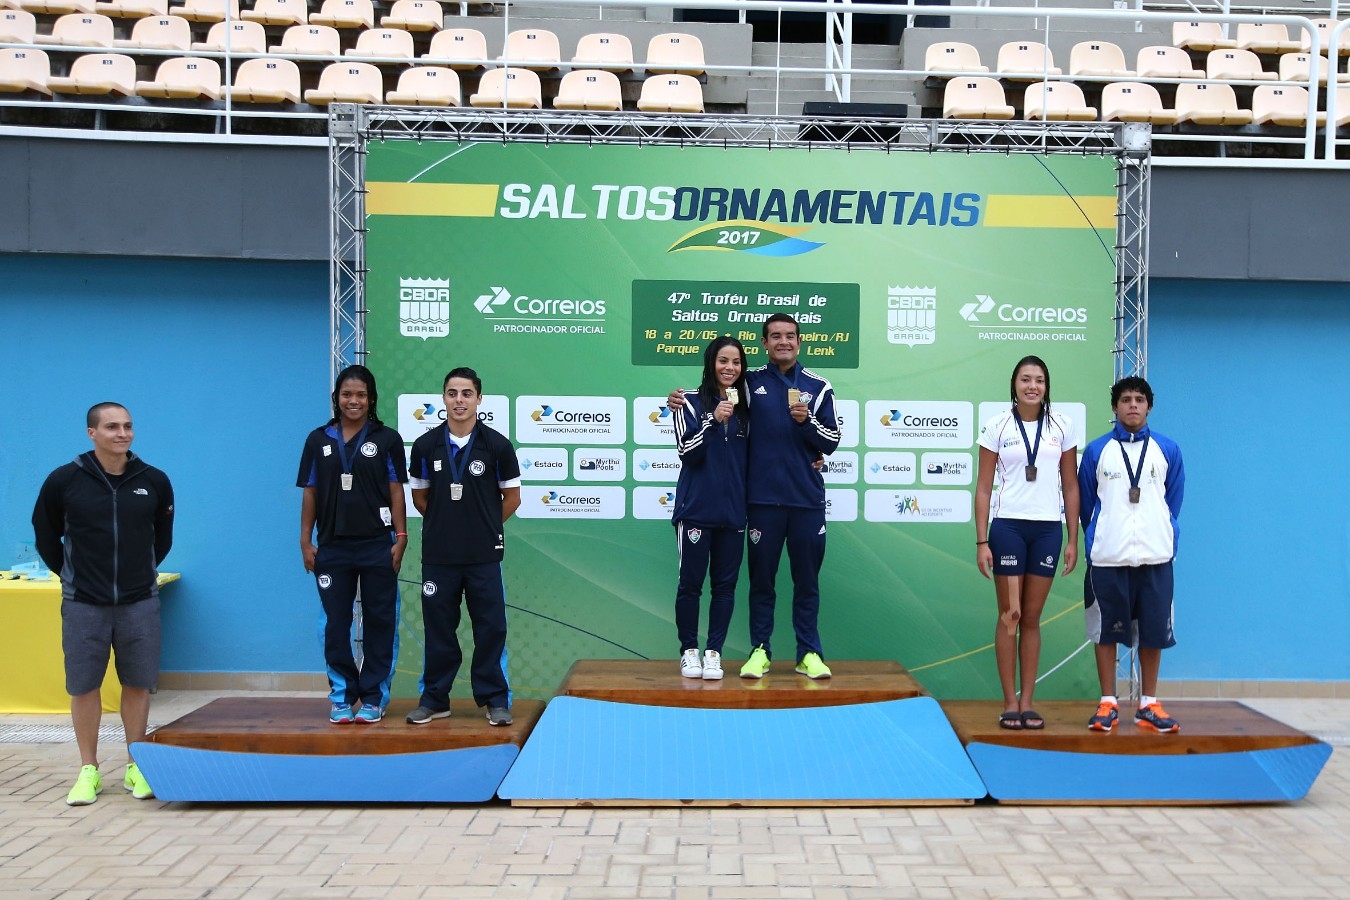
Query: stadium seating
pixel 1236 65
pixel 674 52
pixel 1210 103
pixel 266 81
pixel 671 93
pixel 277 12
pixel 17 26
pixel 952 56
pixel 1265 37
pixel 1098 59
pixel 98 73
pixel 392 43
pixel 345 14
pixel 1285 105
pixel 1324 27
pixel 309 40
pixel 975 97
pixel 604 51
pixel 1127 101
pixel 426 86
pixel 183 78
pixel 243 37
pixel 80 30
pixel 22 71
pixel 1342 106
pixel 589 89
pixel 159 33
pixel 531 48
pixel 509 87
pixel 465 44
pixel 1026 61
pixel 1300 67
pixel 132 9
pixel 207 10
pixel 1058 101
pixel 1165 62
pixel 347 82
pixel 1203 36
pixel 58 7
pixel 415 15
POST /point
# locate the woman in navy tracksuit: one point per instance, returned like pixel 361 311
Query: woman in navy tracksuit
pixel 711 434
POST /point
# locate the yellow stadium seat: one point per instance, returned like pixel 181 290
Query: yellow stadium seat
pixel 132 9
pixel 80 30
pixel 17 26
pixel 309 40
pixel 277 12
pixel 604 51
pixel 345 14
pixel 1098 59
pixel 1285 105
pixel 24 70
pixel 466 45
pixel 183 78
pixel 1129 101
pixel 207 10
pixel 393 43
pixel 671 93
pixel 1265 37
pixel 426 86
pixel 676 52
pixel 952 56
pixel 159 33
pixel 243 37
pixel 1210 103
pixel 589 89
pixel 509 87
pixel 1057 101
pixel 1026 61
pixel 1235 65
pixel 1203 36
pixel 415 15
pixel 531 48
pixel 347 82
pixel 266 81
pixel 975 97
pixel 1160 61
pixel 98 73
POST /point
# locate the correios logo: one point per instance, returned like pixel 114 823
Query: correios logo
pixel 972 311
pixel 1023 315
pixel 657 415
pixel 485 303
pixel 546 308
pixel 568 417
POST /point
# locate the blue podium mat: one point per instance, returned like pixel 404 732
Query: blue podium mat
pixel 899 750
pixel 469 775
pixel 1277 775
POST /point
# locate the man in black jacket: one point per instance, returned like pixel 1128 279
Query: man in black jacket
pixel 104 523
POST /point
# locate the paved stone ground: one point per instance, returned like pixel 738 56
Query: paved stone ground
pixel 124 848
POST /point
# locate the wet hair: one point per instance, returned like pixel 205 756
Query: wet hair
pixel 1131 383
pixel 1045 370
pixel 366 377
pixel 95 414
pixel 778 317
pixel 464 372
pixel 709 390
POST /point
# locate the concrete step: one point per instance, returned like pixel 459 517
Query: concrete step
pixel 871 56
pixel 540 11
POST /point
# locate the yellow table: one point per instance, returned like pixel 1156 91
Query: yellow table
pixel 32 670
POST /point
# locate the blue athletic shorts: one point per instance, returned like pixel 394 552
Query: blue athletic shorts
pixel 1125 601
pixel 1024 547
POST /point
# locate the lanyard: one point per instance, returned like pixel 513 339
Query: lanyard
pixel 342 447
pixel 1134 475
pixel 1032 450
pixel 790 382
pixel 458 462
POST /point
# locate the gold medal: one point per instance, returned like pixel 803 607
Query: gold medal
pixel 733 396
pixel 794 396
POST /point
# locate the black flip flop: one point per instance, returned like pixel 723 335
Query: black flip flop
pixel 1031 716
pixel 1011 721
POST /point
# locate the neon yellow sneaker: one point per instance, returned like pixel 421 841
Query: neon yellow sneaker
pixel 812 666
pixel 87 787
pixel 136 783
pixel 757 666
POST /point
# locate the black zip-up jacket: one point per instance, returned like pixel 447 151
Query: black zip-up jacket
pixel 106 541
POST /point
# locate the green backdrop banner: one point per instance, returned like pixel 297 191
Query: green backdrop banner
pixel 582 282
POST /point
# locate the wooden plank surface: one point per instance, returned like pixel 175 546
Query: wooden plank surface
pixel 659 683
pixel 1207 726
pixel 299 725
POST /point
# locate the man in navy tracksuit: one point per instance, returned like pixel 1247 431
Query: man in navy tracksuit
pixel 792 422
pixel 103 523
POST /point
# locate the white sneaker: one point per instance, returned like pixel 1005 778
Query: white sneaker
pixel 689 664
pixel 712 665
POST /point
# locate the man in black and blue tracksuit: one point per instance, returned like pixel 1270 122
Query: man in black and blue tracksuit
pixel 792 422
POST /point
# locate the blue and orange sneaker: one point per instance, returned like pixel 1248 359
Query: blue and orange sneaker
pixel 1154 717
pixel 1105 719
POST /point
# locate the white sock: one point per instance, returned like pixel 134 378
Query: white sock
pixel 1147 701
pixel 1109 698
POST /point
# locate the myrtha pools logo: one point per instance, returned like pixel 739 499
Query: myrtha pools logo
pixel 424 307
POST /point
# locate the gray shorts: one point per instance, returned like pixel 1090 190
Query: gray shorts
pixel 88 632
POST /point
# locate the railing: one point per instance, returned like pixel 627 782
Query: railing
pixel 837 72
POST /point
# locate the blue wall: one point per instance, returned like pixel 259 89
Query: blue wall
pixel 1248 379
pixel 224 366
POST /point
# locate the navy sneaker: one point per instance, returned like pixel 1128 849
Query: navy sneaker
pixel 1156 718
pixel 1105 719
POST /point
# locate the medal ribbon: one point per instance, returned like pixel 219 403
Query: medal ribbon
pixel 458 462
pixel 1134 476
pixel 342 447
pixel 1032 450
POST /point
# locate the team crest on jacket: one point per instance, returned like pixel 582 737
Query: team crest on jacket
pixel 428 589
pixel 324 582
pixel 476 467
pixel 755 535
pixel 694 535
pixel 806 396
pixel 368 449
